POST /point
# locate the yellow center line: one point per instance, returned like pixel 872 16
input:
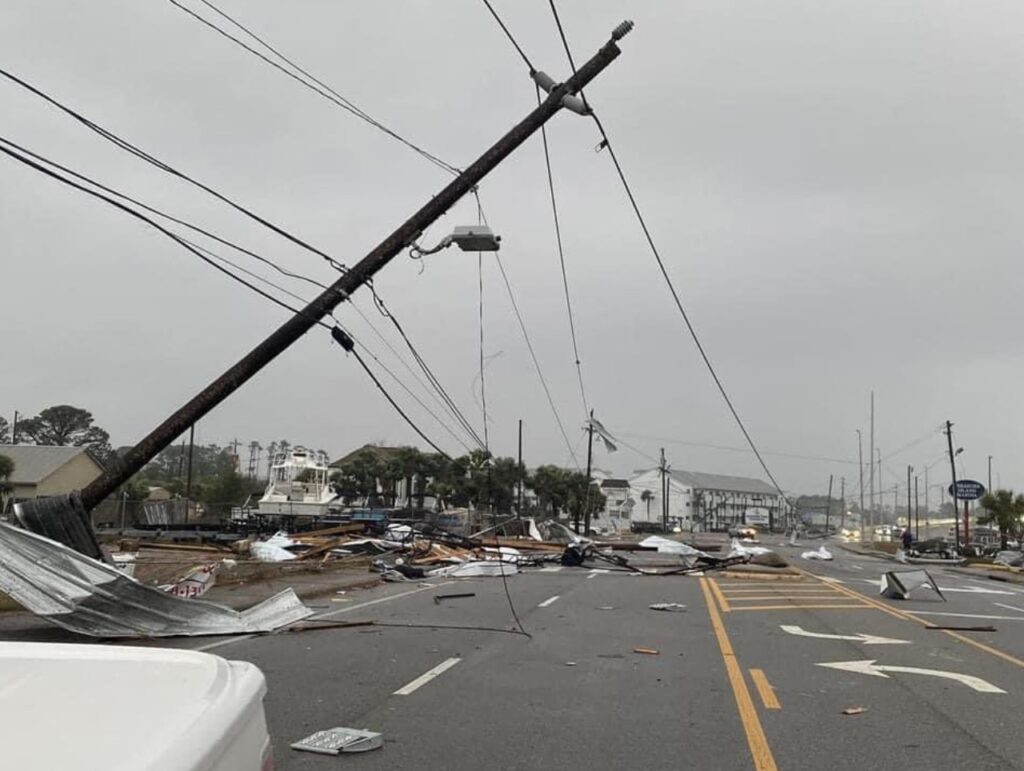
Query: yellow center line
pixel 827 606
pixel 764 689
pixel 723 603
pixel 757 741
pixel 909 617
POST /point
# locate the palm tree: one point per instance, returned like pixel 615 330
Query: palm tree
pixel 647 496
pixel 1005 510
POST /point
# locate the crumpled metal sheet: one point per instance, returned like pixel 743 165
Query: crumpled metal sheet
pixel 62 518
pixel 92 598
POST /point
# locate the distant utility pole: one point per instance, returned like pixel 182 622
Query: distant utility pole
pixel 188 478
pixel 952 468
pixel 14 429
pixel 990 473
pixel 664 490
pixel 828 505
pixel 520 474
pixel 350 280
pixel 871 461
pixel 917 513
pixel 910 470
pixel 842 497
pixel 860 473
pixel 586 495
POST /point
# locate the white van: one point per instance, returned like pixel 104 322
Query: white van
pixel 121 708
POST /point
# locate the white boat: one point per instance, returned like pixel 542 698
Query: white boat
pixel 298 485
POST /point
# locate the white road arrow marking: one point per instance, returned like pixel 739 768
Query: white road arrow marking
pixel 867 639
pixel 944 589
pixel 869 667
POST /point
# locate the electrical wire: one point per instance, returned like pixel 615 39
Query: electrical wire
pixel 511 39
pixel 536 364
pixel 606 144
pixel 395 404
pixel 207 255
pixel 132 149
pixel 561 261
pixel 152 223
pixel 152 160
pixel 483 387
pixel 320 87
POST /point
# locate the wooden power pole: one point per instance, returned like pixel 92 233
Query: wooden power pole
pixel 121 469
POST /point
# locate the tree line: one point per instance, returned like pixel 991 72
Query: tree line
pixel 374 475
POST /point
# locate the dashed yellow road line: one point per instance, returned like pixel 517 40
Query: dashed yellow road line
pixel 760 752
pixel 909 617
pixel 756 597
pixel 764 689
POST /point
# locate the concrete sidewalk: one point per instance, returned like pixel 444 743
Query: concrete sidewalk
pixel 306 585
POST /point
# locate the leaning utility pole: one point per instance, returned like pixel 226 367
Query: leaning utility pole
pixel 351 279
pixel 952 468
pixel 586 495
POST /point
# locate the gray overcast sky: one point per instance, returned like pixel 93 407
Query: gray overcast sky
pixel 832 185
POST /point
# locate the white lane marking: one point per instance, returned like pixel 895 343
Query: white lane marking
pixel 348 609
pixel 427 676
pixel 551 569
pixel 989 584
pixel 549 601
pixel 830 580
pixel 965 615
pixel 592 575
pixel 869 667
pixel 855 566
pixel 1008 607
pixel 961 589
pixel 867 639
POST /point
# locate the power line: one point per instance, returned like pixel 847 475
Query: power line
pixel 152 223
pixel 132 149
pixel 536 363
pixel 320 87
pixel 679 305
pixel 154 161
pixel 736 449
pixel 483 387
pixel 208 256
pixel 561 261
pixel 394 404
pixel 511 39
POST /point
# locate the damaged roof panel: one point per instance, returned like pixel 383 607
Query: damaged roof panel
pixel 89 597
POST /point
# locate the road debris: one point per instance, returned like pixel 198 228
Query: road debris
pixel 963 628
pixel 647 651
pixel 898 585
pixel 855 710
pixel 334 741
pixel 93 598
pixel 669 606
pixel 460 595
pixel 821 553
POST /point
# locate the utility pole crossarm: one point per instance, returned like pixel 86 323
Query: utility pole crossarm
pixel 121 469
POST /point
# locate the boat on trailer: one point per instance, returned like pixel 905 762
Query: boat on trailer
pixel 298 485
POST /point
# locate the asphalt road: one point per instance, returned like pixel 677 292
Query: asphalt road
pixel 728 688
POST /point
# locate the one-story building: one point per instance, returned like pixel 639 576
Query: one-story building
pixel 41 470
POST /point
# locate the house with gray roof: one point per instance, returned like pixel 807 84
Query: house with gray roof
pixel 40 471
